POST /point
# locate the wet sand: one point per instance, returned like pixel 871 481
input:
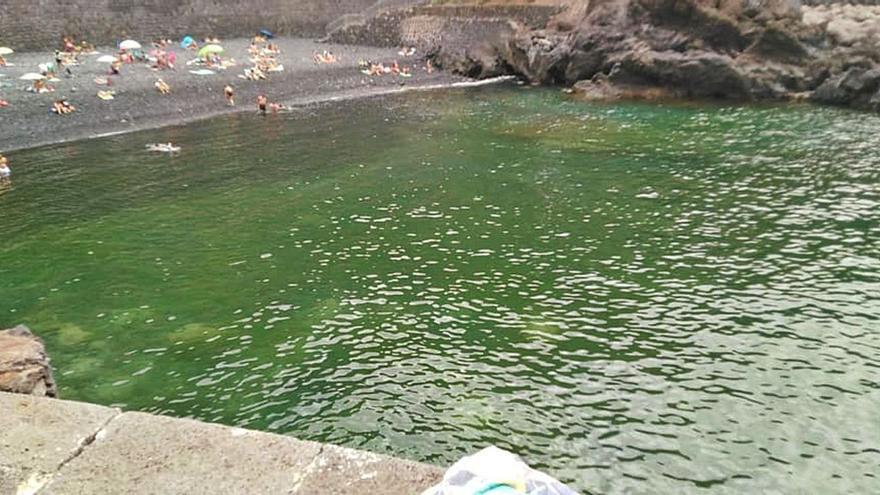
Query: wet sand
pixel 28 122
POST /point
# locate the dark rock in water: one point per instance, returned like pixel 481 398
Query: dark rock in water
pixel 695 74
pixel 601 88
pixel 24 365
pixel 855 87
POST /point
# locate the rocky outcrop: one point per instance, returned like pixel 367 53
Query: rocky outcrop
pixel 857 87
pixel 738 49
pixel 24 365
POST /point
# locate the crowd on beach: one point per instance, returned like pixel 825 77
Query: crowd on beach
pixel 205 58
pixel 161 56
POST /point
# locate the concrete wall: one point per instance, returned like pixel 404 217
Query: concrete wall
pixel 426 26
pixel 50 446
pixel 27 24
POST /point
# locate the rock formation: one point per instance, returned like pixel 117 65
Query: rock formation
pixel 742 49
pixel 24 365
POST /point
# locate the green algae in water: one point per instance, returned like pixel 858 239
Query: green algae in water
pixel 636 298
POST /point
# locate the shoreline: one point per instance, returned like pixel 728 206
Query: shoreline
pixel 291 104
pixel 27 123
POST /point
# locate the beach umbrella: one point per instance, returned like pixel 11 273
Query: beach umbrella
pixel 210 50
pixel 267 33
pixel 187 41
pixel 107 59
pixel 5 50
pixel 32 76
pixel 129 45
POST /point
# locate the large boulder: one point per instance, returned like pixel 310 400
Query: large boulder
pixel 769 9
pixel 778 44
pixel 692 17
pixel 601 88
pixel 857 87
pixel 540 56
pixel 24 365
pixel 693 74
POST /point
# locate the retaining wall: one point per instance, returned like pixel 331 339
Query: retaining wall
pixel 39 24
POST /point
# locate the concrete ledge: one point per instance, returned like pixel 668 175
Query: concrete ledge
pixel 60 447
pixel 39 435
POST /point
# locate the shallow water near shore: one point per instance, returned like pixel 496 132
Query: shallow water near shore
pixel 636 298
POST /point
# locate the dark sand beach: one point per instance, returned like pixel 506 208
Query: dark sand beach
pixel 28 121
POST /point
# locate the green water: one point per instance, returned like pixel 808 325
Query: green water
pixel 638 299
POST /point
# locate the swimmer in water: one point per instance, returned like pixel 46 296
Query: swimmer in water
pixel 5 171
pixel 262 103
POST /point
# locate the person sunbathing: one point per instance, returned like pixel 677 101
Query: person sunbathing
pixel 62 107
pixel 2 61
pixel 254 74
pixel 68 45
pixel 163 87
pixel 3 103
pixel 161 60
pixel 325 57
pixel 39 86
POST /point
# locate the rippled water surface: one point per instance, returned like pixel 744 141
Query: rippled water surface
pixel 638 299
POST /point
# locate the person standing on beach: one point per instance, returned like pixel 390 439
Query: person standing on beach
pixel 5 171
pixel 229 92
pixel 262 102
pixel 60 63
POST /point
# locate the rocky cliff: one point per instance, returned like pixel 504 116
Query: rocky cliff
pixel 742 49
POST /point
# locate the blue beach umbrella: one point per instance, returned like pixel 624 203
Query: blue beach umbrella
pixel 267 33
pixel 187 42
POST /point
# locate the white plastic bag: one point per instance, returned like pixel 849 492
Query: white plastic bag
pixel 493 471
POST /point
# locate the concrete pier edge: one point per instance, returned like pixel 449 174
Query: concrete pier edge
pixel 52 446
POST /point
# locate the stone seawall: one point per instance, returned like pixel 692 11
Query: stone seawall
pixel 52 446
pixel 458 30
pixel 30 24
